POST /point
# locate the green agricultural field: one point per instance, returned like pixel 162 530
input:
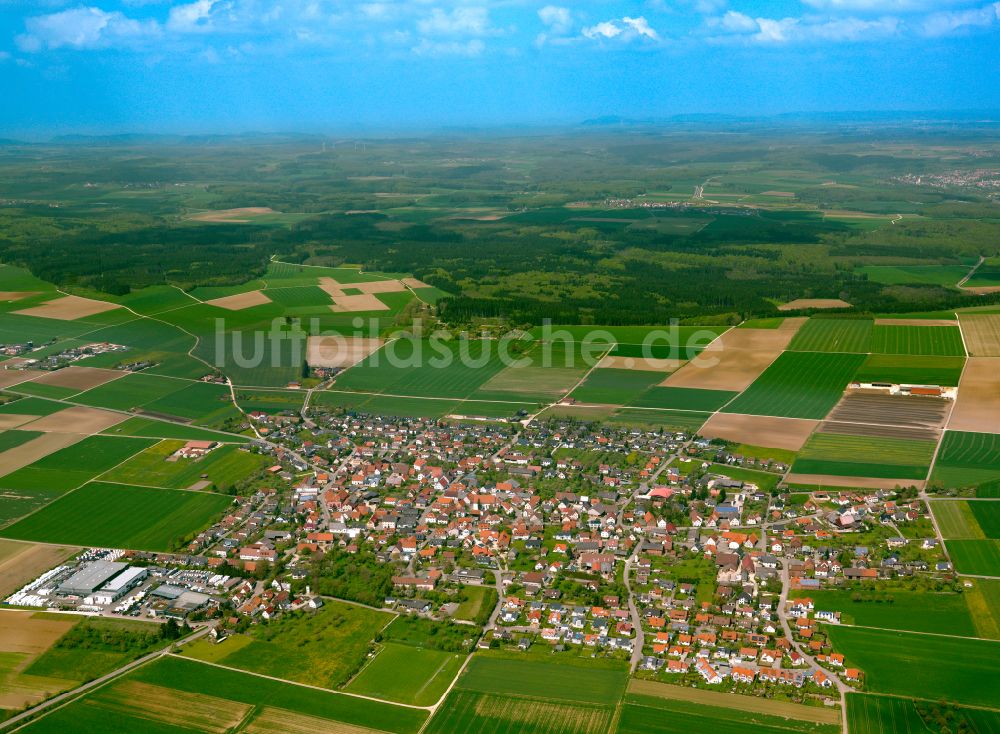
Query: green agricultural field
pixel 32 406
pixel 203 402
pixel 222 467
pixel 653 715
pixel 273 705
pixel 834 335
pixel 672 420
pixel 407 674
pixel 684 338
pixel 270 401
pixel 799 385
pixel 119 516
pixel 967 459
pixel 911 370
pixel 12 439
pixel 467 711
pixel 956 520
pixel 987 514
pixel 945 341
pixel 607 386
pixel 871 714
pixel 416 368
pixel 148 427
pixel 131 391
pixel 547 373
pixel 75 465
pixel 564 680
pixel 945 275
pixel 865 456
pixel 983 599
pixel 299 296
pixel 925 666
pixel 391 405
pixel 684 398
pixel 322 648
pixel 16 503
pixel 944 613
pixel 975 557
pixel 987 274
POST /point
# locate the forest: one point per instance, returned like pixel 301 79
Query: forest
pixel 580 226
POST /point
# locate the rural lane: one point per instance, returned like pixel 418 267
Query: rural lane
pixel 98 682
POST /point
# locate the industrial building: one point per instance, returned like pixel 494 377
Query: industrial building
pixel 90 578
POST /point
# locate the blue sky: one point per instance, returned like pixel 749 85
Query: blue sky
pixel 318 65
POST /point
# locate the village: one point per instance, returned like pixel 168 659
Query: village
pixel 646 546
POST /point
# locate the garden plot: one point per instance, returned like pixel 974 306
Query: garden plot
pixel 977 408
pixel 240 301
pixel 69 308
pixel 778 433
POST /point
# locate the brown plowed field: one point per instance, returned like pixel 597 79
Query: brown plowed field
pixel 826 480
pixel 888 415
pixel 76 420
pixel 877 431
pixel 981 333
pixel 69 308
pixel 978 406
pixel 240 301
pixel 79 378
pixel 759 430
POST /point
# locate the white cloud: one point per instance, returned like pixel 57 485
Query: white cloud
pixel 741 27
pixel 626 29
pixel 83 27
pixel 196 16
pixel 461 21
pixel 735 22
pixel 607 29
pixel 559 20
pixel 945 23
pixel 883 6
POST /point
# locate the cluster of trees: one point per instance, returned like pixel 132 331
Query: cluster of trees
pixel 355 576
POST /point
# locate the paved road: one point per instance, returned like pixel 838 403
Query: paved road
pixel 842 687
pixel 640 635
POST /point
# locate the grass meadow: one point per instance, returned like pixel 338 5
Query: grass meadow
pixel 407 674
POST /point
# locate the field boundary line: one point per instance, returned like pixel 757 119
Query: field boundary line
pixel 915 632
pixel 951 412
pixel 71 696
pixel 569 392
pixel 334 691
